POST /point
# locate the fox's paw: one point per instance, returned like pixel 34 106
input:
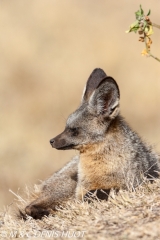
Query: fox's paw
pixel 36 212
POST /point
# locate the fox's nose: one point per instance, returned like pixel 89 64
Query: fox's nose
pixel 52 141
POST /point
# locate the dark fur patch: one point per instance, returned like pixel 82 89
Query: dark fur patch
pixel 93 81
pixel 101 194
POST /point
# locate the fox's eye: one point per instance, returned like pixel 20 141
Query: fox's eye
pixel 74 131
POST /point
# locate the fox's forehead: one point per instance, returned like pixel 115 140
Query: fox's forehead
pixel 74 118
pixel 77 117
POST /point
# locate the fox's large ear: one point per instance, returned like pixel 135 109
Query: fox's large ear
pixel 93 81
pixel 105 98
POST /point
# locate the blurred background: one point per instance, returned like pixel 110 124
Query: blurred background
pixel 47 51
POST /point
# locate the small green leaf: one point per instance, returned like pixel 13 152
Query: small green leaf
pixel 149 12
pixel 141 10
pixel 134 24
pixel 138 14
pixel 135 29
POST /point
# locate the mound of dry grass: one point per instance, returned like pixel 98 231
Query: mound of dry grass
pixel 126 215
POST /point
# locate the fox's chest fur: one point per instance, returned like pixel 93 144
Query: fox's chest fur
pixel 102 168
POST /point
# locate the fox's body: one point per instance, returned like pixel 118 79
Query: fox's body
pixel 111 155
pixel 121 161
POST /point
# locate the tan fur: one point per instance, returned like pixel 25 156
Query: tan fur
pixel 99 171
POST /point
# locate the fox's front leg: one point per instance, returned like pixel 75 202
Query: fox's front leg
pixel 58 188
pixel 80 192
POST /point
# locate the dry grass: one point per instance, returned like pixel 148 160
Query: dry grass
pixel 126 215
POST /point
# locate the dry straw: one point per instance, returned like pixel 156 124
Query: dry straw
pixel 133 214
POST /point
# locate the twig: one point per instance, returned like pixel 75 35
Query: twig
pixel 148 51
pixel 156 25
pixel 154 57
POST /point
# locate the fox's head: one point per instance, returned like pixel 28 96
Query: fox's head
pixel 90 122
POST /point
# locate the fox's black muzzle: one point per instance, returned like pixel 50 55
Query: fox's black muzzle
pixel 60 142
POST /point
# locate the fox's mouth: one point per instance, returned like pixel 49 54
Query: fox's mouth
pixel 71 146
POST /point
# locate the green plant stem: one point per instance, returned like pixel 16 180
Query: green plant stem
pixel 149 53
pixel 156 25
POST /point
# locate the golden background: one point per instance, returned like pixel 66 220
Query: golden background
pixel 47 51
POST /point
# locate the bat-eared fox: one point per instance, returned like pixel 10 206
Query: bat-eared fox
pixel 111 154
